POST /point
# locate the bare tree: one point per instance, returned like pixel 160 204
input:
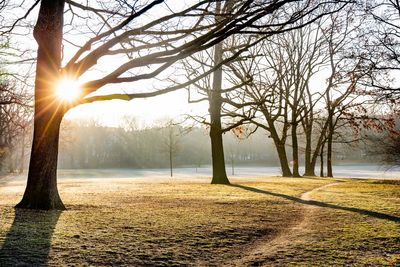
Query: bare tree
pixel 263 100
pixel 171 141
pixel 380 48
pixel 213 89
pixel 15 118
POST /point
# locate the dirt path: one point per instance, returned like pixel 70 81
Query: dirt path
pixel 264 250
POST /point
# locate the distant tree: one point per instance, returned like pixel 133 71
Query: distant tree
pixel 171 141
pixel 15 118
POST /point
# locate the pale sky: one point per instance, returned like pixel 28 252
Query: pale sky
pixel 147 110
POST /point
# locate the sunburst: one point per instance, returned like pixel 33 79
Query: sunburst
pixel 67 90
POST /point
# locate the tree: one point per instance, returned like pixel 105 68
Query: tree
pixel 171 142
pixel 120 30
pixel 380 48
pixel 215 104
pixel 211 90
pixel 15 118
pixel 263 100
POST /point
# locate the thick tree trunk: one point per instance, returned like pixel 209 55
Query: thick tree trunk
pixel 217 146
pixel 295 152
pixel 309 169
pixel 314 158
pixel 280 148
pixel 217 153
pixel 309 163
pixel 41 191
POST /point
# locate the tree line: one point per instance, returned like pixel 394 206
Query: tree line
pixel 87 144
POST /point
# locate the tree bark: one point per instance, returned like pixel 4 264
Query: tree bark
pixel 279 145
pixel 217 146
pixel 309 162
pixel 295 151
pixel 321 155
pixel 283 160
pixel 217 152
pixel 41 191
pixel 329 148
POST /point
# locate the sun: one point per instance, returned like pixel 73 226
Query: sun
pixel 68 90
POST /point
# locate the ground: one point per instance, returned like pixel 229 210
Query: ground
pixel 268 221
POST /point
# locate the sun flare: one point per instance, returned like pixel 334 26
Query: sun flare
pixel 68 90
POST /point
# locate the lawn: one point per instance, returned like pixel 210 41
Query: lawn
pixel 178 222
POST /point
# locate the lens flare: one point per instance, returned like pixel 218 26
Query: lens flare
pixel 68 90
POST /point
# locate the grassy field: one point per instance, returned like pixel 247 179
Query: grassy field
pixel 162 222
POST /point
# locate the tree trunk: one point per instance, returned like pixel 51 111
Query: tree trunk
pixel 329 158
pixel 22 156
pixel 321 155
pixel 41 191
pixel 309 169
pixel 217 153
pixel 309 163
pixel 319 145
pixel 217 146
pixel 329 148
pixel 280 148
pixel 170 161
pixel 295 152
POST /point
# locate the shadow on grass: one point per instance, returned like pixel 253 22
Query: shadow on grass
pixel 28 241
pixel 321 204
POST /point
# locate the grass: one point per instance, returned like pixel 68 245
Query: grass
pixel 189 222
pixel 348 232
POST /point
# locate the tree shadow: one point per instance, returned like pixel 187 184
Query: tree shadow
pixel 375 214
pixel 28 241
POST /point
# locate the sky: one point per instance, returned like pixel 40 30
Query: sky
pixel 148 111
